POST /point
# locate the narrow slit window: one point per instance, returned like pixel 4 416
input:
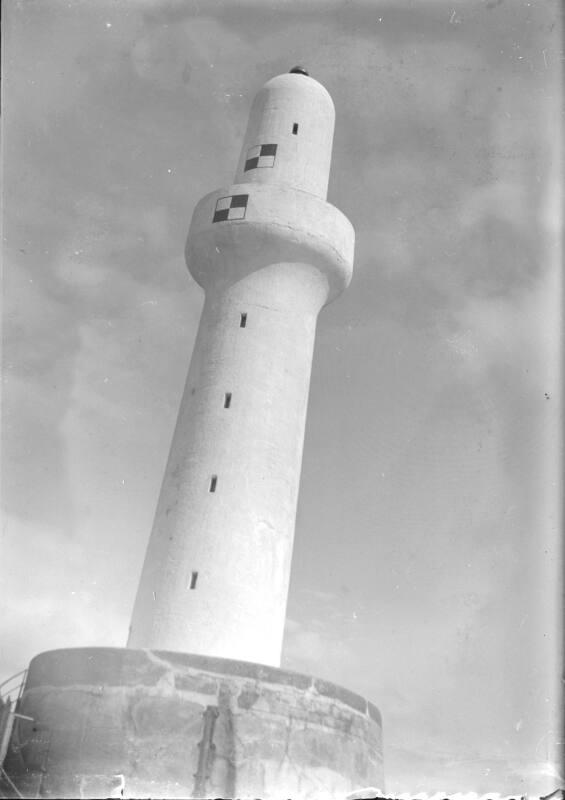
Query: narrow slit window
pixel 193 579
pixel 243 321
pixel 295 128
pixel 213 483
pixel 227 400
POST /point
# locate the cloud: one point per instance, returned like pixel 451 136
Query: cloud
pixel 413 572
pixel 314 647
pixel 64 606
pixel 431 772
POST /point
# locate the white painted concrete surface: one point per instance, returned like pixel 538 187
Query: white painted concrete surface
pixel 278 264
pixel 303 159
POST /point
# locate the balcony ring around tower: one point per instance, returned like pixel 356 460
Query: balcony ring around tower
pixel 246 227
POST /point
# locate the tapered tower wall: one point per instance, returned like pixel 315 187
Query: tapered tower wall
pixel 269 252
pixel 218 563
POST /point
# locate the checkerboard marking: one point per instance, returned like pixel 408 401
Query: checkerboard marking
pixel 263 155
pixel 232 207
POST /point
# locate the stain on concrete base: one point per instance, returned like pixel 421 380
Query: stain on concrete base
pixel 112 722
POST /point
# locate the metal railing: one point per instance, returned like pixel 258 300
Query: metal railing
pixel 13 684
pixel 11 691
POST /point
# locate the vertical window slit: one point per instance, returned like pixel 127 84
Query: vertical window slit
pixel 193 579
pixel 243 321
pixel 213 482
pixel 295 128
pixel 227 400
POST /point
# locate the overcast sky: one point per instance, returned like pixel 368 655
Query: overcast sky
pixel 425 563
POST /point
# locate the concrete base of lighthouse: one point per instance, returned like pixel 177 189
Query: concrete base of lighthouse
pixel 110 722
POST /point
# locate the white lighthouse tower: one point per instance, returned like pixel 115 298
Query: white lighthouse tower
pixel 269 252
pixel 196 705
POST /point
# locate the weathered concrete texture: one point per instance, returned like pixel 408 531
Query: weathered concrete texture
pixel 158 724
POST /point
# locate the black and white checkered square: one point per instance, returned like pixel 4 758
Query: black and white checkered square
pixel 232 207
pixel 263 155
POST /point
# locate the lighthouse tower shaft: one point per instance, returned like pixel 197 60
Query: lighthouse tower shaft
pixel 269 252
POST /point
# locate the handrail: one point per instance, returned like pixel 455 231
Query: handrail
pixel 7 778
pixel 4 694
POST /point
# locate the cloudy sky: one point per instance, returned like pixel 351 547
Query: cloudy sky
pixel 426 554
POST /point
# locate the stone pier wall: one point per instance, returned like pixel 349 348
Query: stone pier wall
pixel 137 723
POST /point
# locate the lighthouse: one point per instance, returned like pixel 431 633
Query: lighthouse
pixel 269 252
pixel 197 705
